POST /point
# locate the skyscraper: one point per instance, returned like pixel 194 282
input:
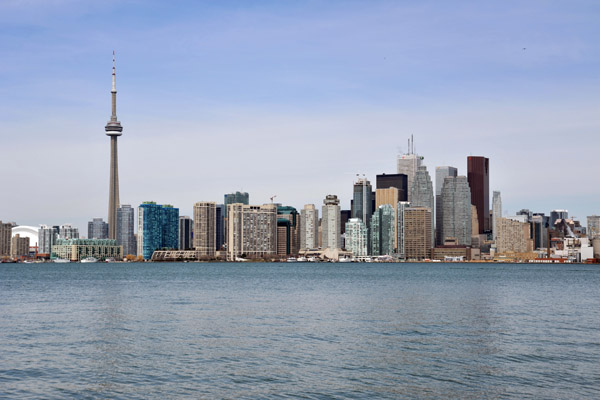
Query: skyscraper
pixel 288 231
pixel 417 233
pixel 456 209
pixel 362 201
pixel 383 230
pixel 593 226
pixel 5 237
pixel 309 227
pixel 205 228
pixel 97 229
pixel 422 193
pixel 47 236
pixel 556 215
pixel 113 129
pixel 186 227
pixel 440 174
pixel 400 232
pixel 478 174
pixel 398 181
pixel 408 164
pixel 158 228
pixel 251 230
pixel 126 229
pixel 237 197
pixel 330 224
pixel 496 212
pixel 220 226
pixel 356 237
pixel 67 231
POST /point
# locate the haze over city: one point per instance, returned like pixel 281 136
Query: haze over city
pixel 293 100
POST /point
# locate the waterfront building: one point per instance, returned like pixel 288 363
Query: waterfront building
pixel 330 224
pixel 513 236
pixel 398 181
pixel 474 221
pixel 309 227
pixel 539 224
pixel 97 229
pixel 186 229
pixel 441 173
pixel 220 211
pixel 422 193
pixel 555 215
pixel 356 237
pixel 593 226
pixel 456 210
pixel 390 196
pixel 362 201
pixel 400 232
pixel 251 231
pixel 236 197
pixel 383 230
pixel 417 233
pixel 113 129
pixel 478 174
pixel 47 236
pixel 345 215
pixel 288 231
pixel 28 231
pixel 205 228
pixel 19 246
pixel 68 231
pixel 5 236
pixel 79 249
pixel 126 229
pixel 158 228
pixel 496 212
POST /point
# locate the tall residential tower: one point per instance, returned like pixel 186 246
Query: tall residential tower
pixel 113 129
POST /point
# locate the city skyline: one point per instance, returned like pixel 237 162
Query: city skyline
pixel 525 101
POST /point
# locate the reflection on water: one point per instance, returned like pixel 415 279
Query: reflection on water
pixel 315 331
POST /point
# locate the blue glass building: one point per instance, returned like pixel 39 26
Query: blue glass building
pixel 158 228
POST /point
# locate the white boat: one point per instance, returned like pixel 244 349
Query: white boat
pixel 345 259
pixel 292 259
pixel 302 259
pixel 312 259
pixel 61 260
pixel 89 260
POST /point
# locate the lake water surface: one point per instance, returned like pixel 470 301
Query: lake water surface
pixel 317 331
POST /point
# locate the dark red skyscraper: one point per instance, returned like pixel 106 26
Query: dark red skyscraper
pixel 478 174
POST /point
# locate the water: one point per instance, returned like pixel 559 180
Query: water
pixel 317 331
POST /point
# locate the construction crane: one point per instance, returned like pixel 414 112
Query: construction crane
pixel 273 197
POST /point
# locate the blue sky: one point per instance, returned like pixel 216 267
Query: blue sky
pixel 293 99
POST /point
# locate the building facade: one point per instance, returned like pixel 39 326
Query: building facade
pixel 79 249
pixel 400 232
pixel 5 237
pixel 398 181
pixel 309 227
pixel 383 228
pixel 158 228
pixel 417 233
pixel 205 228
pixel 220 226
pixel 478 174
pixel 362 201
pixel 330 224
pixel 496 212
pixel 593 226
pixel 186 229
pixel 356 237
pixel 441 173
pixel 513 236
pixel 126 229
pixel 251 231
pixel 456 210
pixel 422 193
pixel 19 246
pixel 408 164
pixel 288 231
pixel 97 229
pixel 67 231
pixel 47 236
pixel 235 197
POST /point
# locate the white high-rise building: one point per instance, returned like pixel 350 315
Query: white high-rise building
pixel 47 236
pixel 593 226
pixel 251 230
pixel 205 228
pixel 309 227
pixel 356 237
pixel 330 224
pixel 409 164
pixel 496 212
pixel 67 231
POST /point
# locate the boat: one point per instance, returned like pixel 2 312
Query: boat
pixel 301 259
pixel 345 259
pixel 61 260
pixel 89 260
pixel 292 259
pixel 312 259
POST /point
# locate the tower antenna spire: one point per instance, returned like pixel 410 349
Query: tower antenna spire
pixel 113 129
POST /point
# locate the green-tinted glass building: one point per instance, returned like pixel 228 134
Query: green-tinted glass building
pixel 382 230
pixel 158 228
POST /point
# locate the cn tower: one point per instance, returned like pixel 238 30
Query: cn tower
pixel 113 129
